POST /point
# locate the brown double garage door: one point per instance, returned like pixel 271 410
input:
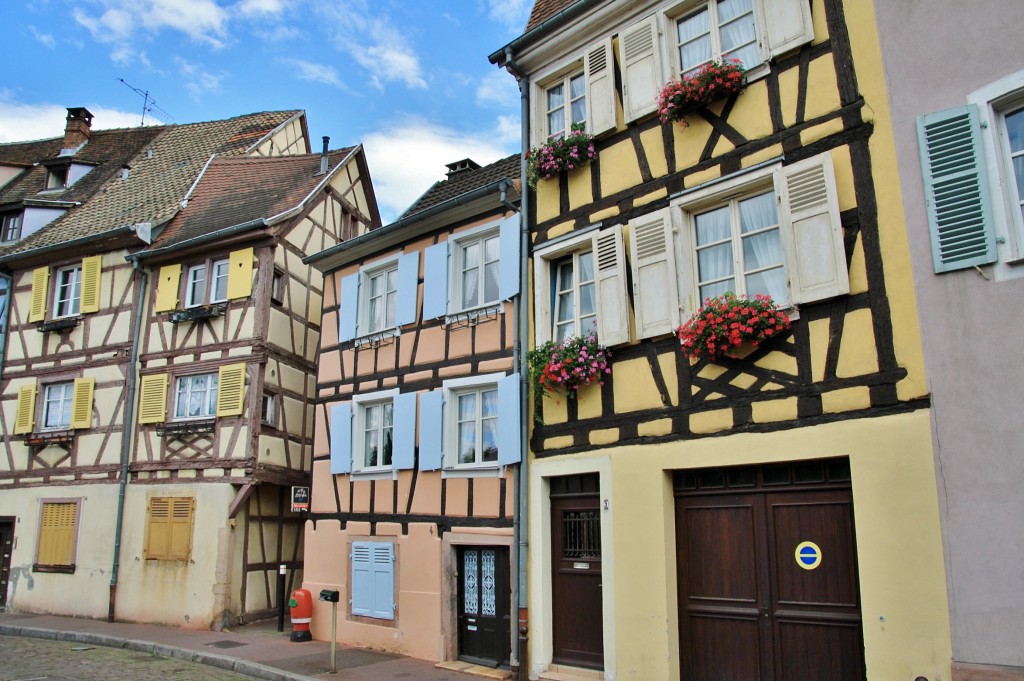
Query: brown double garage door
pixel 767 570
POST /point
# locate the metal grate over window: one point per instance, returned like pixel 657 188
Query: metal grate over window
pixel 582 535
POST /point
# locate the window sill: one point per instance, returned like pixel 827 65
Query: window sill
pixel 175 428
pixel 63 569
pixel 388 474
pixel 190 314
pixel 470 318
pixel 60 324
pixel 376 339
pixel 488 471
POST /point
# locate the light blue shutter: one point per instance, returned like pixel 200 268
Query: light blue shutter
pixel 383 570
pixel 348 311
pixel 435 281
pixel 362 578
pixel 509 426
pixel 508 284
pixel 341 438
pixel 956 189
pixel 408 283
pixel 404 433
pixel 431 427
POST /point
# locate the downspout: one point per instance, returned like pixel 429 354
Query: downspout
pixel 522 334
pixel 128 431
pixel 4 316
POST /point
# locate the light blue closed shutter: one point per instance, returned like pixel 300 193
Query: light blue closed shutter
pixel 508 284
pixel 509 426
pixel 956 189
pixel 348 308
pixel 435 281
pixel 362 578
pixel 404 432
pixel 373 579
pixel 431 427
pixel 341 438
pixel 408 285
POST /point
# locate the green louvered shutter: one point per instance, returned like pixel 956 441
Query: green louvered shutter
pixel 956 189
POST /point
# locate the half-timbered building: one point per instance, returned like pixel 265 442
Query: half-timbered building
pixel 765 516
pixel 418 429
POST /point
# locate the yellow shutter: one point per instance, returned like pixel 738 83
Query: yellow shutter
pixel 40 288
pixel 24 421
pixel 57 534
pixel 153 399
pixel 167 288
pixel 240 274
pixel 91 269
pixel 169 531
pixel 81 403
pixel 231 390
pixel 156 533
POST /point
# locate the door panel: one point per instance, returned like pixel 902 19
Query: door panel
pixel 6 549
pixel 578 628
pixel 484 601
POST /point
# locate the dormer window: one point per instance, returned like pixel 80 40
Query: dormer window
pixel 10 226
pixel 57 177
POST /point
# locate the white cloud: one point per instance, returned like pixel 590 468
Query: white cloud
pixel 20 122
pixel 262 7
pixel 407 156
pixel 498 89
pixel 513 14
pixel 198 81
pixel 315 73
pixel 44 38
pixel 279 33
pixel 123 22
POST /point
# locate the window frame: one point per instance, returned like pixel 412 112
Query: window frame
pixel 681 11
pixel 11 224
pixel 278 286
pixel 360 404
pixel 212 274
pixel 70 306
pixel 458 244
pixel 1011 103
pixel 545 260
pixel 57 177
pixel 565 82
pixel 453 389
pixel 67 401
pixel 210 400
pixel 268 409
pixel 572 258
pixel 69 567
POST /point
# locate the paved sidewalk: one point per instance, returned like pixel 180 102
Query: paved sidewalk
pixel 256 650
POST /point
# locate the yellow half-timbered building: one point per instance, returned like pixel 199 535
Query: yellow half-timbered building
pixel 769 514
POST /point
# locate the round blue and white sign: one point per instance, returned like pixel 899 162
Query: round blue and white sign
pixel 808 555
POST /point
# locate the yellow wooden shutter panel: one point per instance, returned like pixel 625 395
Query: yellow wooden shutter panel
pixel 81 403
pixel 167 288
pixel 231 390
pixel 40 288
pixel 57 534
pixel 24 421
pixel 153 399
pixel 91 270
pixel 240 274
pixel 157 532
pixel 180 529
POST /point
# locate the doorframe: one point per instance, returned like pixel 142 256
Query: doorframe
pixel 450 543
pixel 541 598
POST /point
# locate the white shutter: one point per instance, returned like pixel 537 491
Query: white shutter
pixel 612 306
pixel 599 74
pixel 811 230
pixel 787 25
pixel 655 297
pixel 642 77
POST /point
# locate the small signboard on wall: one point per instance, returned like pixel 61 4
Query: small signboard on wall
pixel 300 499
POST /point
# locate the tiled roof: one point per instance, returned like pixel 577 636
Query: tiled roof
pixel 233 191
pixel 466 181
pixel 544 9
pixel 161 174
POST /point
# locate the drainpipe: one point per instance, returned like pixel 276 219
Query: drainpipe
pixel 9 283
pixel 128 431
pixel 522 346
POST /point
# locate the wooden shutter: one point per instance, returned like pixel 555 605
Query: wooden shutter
pixel 642 77
pixel 408 288
pixel 159 516
pixel 153 398
pixel 341 438
pixel 24 420
pixel 373 579
pixel 431 429
pixel 435 281
pixel 787 25
pixel 509 241
pixel 240 274
pixel 655 296
pixel 348 308
pixel 956 189
pixel 509 421
pixel 231 390
pixel 169 531
pixel 40 291
pixel 811 230
pixel 404 455
pixel 599 75
pixel 362 578
pixel 57 534
pixel 610 271
pixel 167 287
pixel 81 403
pixel 91 270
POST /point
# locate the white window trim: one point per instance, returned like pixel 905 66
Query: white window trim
pixel 456 243
pixel 670 54
pixel 209 282
pixel 204 416
pixel 543 81
pixel 271 418
pixel 544 259
pixel 452 387
pixel 76 293
pixel 70 405
pixel 359 404
pixel 363 335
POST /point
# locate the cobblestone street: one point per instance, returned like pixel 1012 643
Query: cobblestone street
pixel 29 659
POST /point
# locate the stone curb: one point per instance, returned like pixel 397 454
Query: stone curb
pixel 253 669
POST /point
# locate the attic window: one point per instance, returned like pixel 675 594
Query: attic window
pixel 57 177
pixel 10 226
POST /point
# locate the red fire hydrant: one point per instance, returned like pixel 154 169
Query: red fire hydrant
pixel 301 605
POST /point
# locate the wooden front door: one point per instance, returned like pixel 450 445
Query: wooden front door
pixel 485 634
pixel 767 570
pixel 577 623
pixel 6 549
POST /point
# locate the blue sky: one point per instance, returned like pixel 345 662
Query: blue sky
pixel 409 79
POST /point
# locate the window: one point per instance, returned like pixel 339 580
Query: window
pixel 10 227
pixel 196 397
pixel 575 297
pixel 722 29
pixel 58 535
pixel 268 409
pixel 1012 130
pixel 382 288
pixel 207 283
pixel 169 528
pixel 57 177
pixel 476 426
pixel 57 402
pixel 373 579
pixel 375 436
pixel 68 292
pixel 277 285
pixel 478 267
pixel 566 103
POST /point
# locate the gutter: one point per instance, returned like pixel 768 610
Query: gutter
pixel 549 25
pixel 117 231
pixel 209 236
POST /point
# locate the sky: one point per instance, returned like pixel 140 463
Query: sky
pixel 407 79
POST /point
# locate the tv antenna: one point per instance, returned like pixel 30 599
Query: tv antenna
pixel 148 103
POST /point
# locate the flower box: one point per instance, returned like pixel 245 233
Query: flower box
pixel 712 81
pixel 559 155
pixel 731 326
pixel 566 366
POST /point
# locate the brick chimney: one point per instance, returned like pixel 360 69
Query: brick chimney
pixel 76 133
